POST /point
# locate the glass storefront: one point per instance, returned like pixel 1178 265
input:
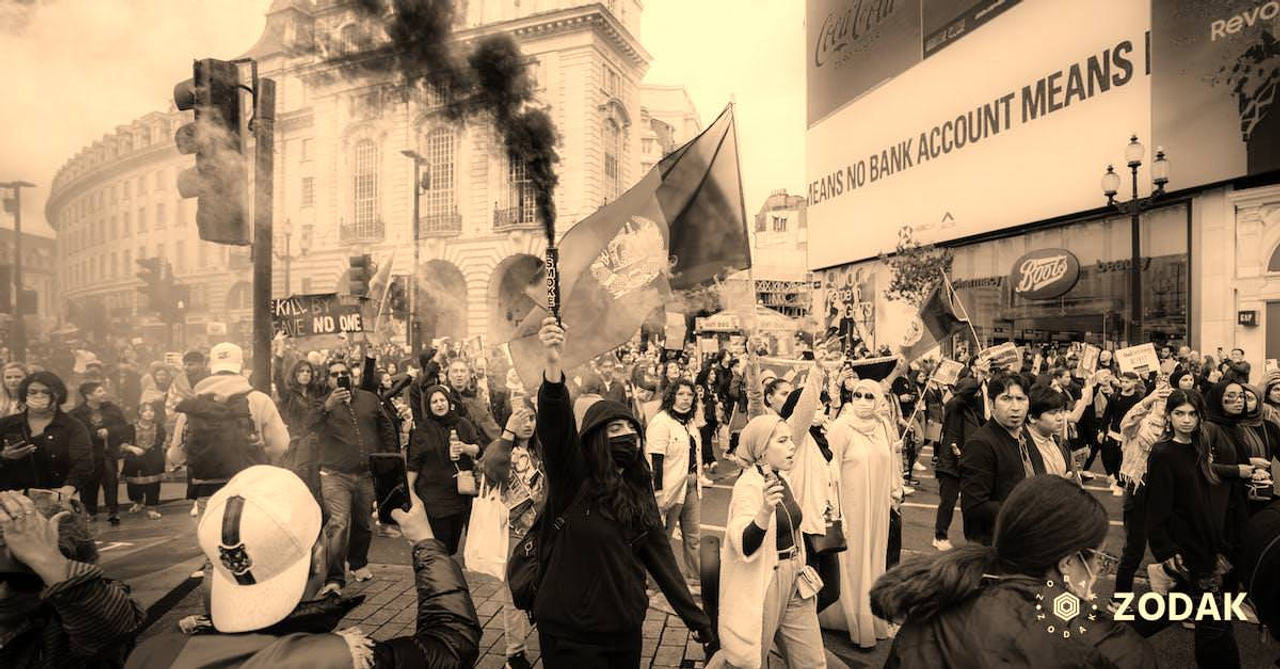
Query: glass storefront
pixel 1095 309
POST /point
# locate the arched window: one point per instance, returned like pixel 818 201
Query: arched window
pixel 350 39
pixel 439 207
pixel 520 201
pixel 365 187
pixel 611 140
pixel 1274 265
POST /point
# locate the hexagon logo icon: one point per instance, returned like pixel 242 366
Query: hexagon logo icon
pixel 1066 606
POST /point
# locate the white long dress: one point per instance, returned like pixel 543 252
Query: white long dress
pixel 867 475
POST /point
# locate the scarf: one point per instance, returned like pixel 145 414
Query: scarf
pixel 868 424
pixel 145 435
pixel 819 434
pixel 450 419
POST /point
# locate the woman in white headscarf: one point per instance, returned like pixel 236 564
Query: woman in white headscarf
pixel 870 483
pixel 767 593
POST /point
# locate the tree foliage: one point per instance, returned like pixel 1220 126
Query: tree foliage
pixel 915 268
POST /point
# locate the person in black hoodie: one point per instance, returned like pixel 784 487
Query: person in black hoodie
pixel 961 417
pixel 591 610
pixel 107 428
pixel 1186 536
pixel 441 446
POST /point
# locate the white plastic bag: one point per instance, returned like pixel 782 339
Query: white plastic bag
pixel 487 536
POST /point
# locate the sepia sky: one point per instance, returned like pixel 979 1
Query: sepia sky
pixel 73 70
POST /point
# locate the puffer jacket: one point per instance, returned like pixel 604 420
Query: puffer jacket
pixel 998 628
pixel 447 635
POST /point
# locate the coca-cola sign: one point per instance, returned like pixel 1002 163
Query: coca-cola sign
pixel 1045 274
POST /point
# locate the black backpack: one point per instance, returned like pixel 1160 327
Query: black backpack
pixel 220 437
pixel 527 559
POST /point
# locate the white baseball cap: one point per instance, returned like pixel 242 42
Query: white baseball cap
pixel 226 357
pixel 258 532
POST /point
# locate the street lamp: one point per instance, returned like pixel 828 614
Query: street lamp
pixel 1133 208
pixel 420 180
pixel 304 245
pixel 18 340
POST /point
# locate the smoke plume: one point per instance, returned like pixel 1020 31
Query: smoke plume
pixel 492 82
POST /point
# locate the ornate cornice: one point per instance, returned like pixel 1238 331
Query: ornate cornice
pixel 148 157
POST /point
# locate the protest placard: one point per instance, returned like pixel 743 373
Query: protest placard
pixel 1141 359
pixel 947 372
pixel 1004 355
pixel 173 358
pixel 309 315
pixel 1089 358
pixel 675 331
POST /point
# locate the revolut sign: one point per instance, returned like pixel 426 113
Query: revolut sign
pixel 1012 124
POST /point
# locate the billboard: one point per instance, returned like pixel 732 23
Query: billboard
pixel 1215 75
pixel 854 45
pixel 1012 124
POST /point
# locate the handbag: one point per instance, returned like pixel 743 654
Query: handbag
pixel 834 540
pixel 524 565
pixel 487 535
pixel 808 582
pixel 466 479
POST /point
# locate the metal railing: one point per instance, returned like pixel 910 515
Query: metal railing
pixel 373 231
pixel 513 218
pixel 449 223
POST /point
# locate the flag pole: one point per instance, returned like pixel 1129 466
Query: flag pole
pixel 956 298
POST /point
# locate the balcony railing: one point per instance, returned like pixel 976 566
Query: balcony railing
pixel 513 218
pixel 437 225
pixel 372 231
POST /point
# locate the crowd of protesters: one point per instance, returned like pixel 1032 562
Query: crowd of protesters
pixel 616 455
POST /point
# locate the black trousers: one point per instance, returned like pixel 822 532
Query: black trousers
pixel 560 653
pixel 948 495
pixel 1111 456
pixel 1094 449
pixel 144 493
pixel 106 475
pixel 448 529
pixel 1135 538
pixel 894 552
pixel 828 567
pixel 1215 642
pixel 708 443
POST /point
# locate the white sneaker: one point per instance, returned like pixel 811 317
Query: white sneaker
pixel 195 509
pixel 1088 476
pixel 920 468
pixel 1117 491
pixel 362 574
pixel 1111 480
pixel 942 544
pixel 705 481
pixel 329 589
pixel 1161 582
pixel 908 490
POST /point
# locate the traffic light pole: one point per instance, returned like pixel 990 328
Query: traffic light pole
pixel 18 337
pixel 264 118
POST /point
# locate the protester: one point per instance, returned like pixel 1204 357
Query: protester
pixel 298 394
pixel 674 448
pixel 1117 406
pixel 996 457
pixel 107 425
pixel 611 534
pixel 1046 423
pixel 1186 535
pixel 870 485
pixel 815 480
pixel 155 391
pixel 11 380
pixel 977 605
pixel 441 447
pixel 264 604
pixel 43 446
pixel 348 427
pixel 225 426
pixel 142 445
pixel 604 384
pixel 1233 447
pixel 1259 566
pixel 762 564
pixel 962 417
pixel 512 462
pixel 194 369
pixel 127 384
pixel 57 608
pixel 472 400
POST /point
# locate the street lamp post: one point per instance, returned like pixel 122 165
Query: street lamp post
pixel 18 338
pixel 1133 208
pixel 418 182
pixel 304 245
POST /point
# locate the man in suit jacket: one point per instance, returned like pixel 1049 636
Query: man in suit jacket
pixel 996 458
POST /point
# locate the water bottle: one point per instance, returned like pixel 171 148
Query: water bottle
pixel 453 438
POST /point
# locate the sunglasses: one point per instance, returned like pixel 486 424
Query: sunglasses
pixel 862 396
pixel 334 375
pixel 1106 562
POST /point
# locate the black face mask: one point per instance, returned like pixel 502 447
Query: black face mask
pixel 624 449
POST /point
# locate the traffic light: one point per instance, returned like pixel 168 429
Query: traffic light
pixel 360 274
pixel 397 298
pixel 219 179
pixel 152 275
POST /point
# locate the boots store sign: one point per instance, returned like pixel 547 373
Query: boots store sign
pixel 1045 274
